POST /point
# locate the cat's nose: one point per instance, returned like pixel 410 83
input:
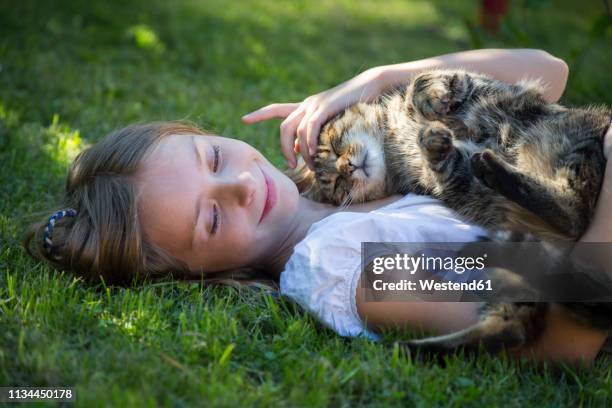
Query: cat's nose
pixel 346 168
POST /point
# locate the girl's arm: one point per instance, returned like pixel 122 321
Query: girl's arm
pixel 506 65
pixel 304 119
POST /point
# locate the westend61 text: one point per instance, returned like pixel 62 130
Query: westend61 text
pixel 428 285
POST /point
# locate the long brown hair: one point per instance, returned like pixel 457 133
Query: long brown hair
pixel 104 240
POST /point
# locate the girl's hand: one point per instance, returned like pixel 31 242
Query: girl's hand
pixel 299 131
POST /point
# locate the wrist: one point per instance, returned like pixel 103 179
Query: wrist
pixel 377 78
pixel 369 84
pixel 388 76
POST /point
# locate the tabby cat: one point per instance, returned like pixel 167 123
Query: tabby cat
pixel 500 155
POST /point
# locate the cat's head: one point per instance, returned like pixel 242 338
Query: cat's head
pixel 349 162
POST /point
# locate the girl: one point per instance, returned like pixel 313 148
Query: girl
pixel 166 199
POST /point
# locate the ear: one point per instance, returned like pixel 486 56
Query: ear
pixel 305 180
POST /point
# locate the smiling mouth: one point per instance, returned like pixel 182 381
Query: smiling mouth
pixel 270 196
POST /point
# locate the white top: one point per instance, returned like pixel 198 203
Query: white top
pixel 322 273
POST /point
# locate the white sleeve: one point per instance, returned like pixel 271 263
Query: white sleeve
pixel 321 276
pixel 324 269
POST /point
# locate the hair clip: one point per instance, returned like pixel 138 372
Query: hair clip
pixel 47 243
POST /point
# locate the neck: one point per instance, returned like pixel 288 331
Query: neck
pixel 308 212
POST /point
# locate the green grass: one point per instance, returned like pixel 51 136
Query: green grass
pixel 70 71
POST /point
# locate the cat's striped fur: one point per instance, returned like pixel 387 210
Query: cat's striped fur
pixel 498 154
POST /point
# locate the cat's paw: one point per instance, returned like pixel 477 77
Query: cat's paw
pixel 435 95
pixel 436 143
pixel 487 168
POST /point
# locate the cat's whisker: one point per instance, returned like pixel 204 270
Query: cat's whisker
pixel 358 190
pixel 347 201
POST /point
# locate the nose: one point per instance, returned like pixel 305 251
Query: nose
pixel 345 166
pixel 239 188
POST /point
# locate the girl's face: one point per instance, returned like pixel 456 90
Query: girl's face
pixel 213 202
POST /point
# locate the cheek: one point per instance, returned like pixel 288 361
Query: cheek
pixel 288 195
pixel 236 250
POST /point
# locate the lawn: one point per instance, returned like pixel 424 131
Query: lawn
pixel 70 71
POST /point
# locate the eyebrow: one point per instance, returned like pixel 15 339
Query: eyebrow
pixel 198 204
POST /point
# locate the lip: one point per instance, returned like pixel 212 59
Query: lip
pixel 270 197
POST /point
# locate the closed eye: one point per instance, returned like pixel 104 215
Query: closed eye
pixel 215 223
pixel 335 149
pixel 216 149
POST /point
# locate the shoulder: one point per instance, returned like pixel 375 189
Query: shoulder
pixel 331 245
pixel 322 272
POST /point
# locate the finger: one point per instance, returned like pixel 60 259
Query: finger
pixel 313 129
pixel 304 152
pixel 302 136
pixel 301 129
pixel 287 135
pixel 296 145
pixel 273 111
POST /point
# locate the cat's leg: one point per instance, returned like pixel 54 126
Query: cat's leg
pixel 444 172
pixel 449 94
pixel 436 94
pixel 524 190
pixel 557 163
pixel 585 170
pixel 443 156
pixel 577 158
pixel 503 326
pixel 436 144
pixel 476 106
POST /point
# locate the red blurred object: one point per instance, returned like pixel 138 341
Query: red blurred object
pixel 491 14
